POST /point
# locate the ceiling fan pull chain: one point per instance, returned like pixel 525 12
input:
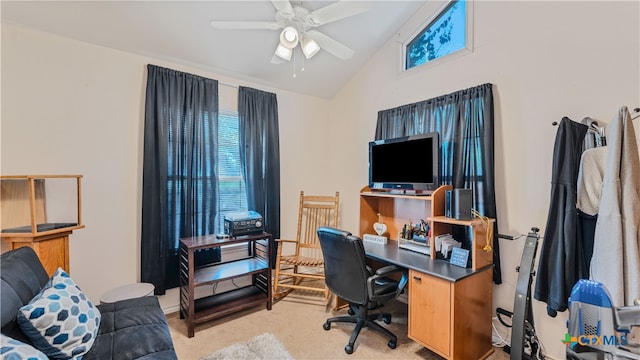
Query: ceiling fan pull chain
pixel 294 63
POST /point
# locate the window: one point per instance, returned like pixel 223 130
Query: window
pixel 180 185
pixel 445 34
pixel 231 182
pixel 231 185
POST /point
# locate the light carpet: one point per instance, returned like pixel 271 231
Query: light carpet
pixel 297 321
pixel 265 346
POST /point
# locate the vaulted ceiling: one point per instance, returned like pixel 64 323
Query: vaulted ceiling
pixel 180 32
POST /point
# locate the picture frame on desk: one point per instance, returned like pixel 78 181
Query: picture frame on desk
pixel 459 257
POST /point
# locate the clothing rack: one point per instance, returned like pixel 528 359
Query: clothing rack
pixel 599 138
pixel 634 115
pixel 591 128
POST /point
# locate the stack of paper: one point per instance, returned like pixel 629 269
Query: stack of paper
pixel 445 243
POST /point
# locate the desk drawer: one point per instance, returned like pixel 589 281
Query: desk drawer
pixel 430 312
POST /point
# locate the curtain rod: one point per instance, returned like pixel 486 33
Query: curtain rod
pixel 231 85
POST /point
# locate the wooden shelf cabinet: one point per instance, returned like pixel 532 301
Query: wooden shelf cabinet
pixel 41 211
pixel 257 264
pixel 450 315
pixel 396 210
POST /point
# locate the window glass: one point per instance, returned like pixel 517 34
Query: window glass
pixel 232 186
pixel 178 185
pixel 446 34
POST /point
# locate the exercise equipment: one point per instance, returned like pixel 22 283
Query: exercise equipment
pixel 524 341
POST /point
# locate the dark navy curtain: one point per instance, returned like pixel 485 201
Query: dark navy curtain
pixel 464 120
pixel 179 185
pixel 260 155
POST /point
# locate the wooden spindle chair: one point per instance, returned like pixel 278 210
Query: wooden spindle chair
pixel 299 262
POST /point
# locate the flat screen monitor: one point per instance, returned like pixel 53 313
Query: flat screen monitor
pixel 405 163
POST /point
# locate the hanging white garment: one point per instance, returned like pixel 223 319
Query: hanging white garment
pixel 616 253
pixel 590 177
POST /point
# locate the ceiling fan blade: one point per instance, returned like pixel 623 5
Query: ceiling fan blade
pixel 331 45
pixel 336 11
pixel 245 25
pixel 284 8
pixel 277 60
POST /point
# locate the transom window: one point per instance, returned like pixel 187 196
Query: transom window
pixel 445 34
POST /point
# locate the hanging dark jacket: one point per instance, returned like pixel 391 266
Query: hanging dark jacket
pixel 561 263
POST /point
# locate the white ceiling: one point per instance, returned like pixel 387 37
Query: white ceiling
pixel 179 31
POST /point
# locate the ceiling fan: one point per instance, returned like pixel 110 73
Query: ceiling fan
pixel 298 23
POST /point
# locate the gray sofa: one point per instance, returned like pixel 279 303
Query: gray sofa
pixel 129 329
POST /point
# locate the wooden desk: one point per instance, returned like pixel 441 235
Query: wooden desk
pixel 449 306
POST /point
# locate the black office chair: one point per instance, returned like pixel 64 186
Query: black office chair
pixel 348 276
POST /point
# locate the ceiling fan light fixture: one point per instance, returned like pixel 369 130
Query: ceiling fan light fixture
pixel 309 47
pixel 283 52
pixel 289 37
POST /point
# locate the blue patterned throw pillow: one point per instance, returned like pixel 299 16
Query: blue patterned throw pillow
pixel 12 349
pixel 60 321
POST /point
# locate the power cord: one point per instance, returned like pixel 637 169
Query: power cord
pixel 489 236
pixel 497 339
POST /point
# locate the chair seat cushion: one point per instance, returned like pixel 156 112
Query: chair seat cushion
pixel 302 260
pixel 132 329
pixel 385 286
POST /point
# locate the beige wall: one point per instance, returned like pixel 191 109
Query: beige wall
pixel 71 107
pixel 546 60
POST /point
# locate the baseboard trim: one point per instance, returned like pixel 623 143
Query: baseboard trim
pixel 171 309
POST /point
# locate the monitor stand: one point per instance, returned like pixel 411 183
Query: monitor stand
pixel 418 192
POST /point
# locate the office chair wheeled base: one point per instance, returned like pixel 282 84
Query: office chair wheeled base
pixel 362 319
pixel 349 278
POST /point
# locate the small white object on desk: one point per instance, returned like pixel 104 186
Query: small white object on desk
pixel 448 246
pixel 379 227
pixel 440 239
pixel 374 238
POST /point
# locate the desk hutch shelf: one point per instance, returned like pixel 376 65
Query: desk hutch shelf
pixel 257 264
pixel 450 308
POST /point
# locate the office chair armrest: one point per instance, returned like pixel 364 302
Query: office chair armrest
pixel 384 271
